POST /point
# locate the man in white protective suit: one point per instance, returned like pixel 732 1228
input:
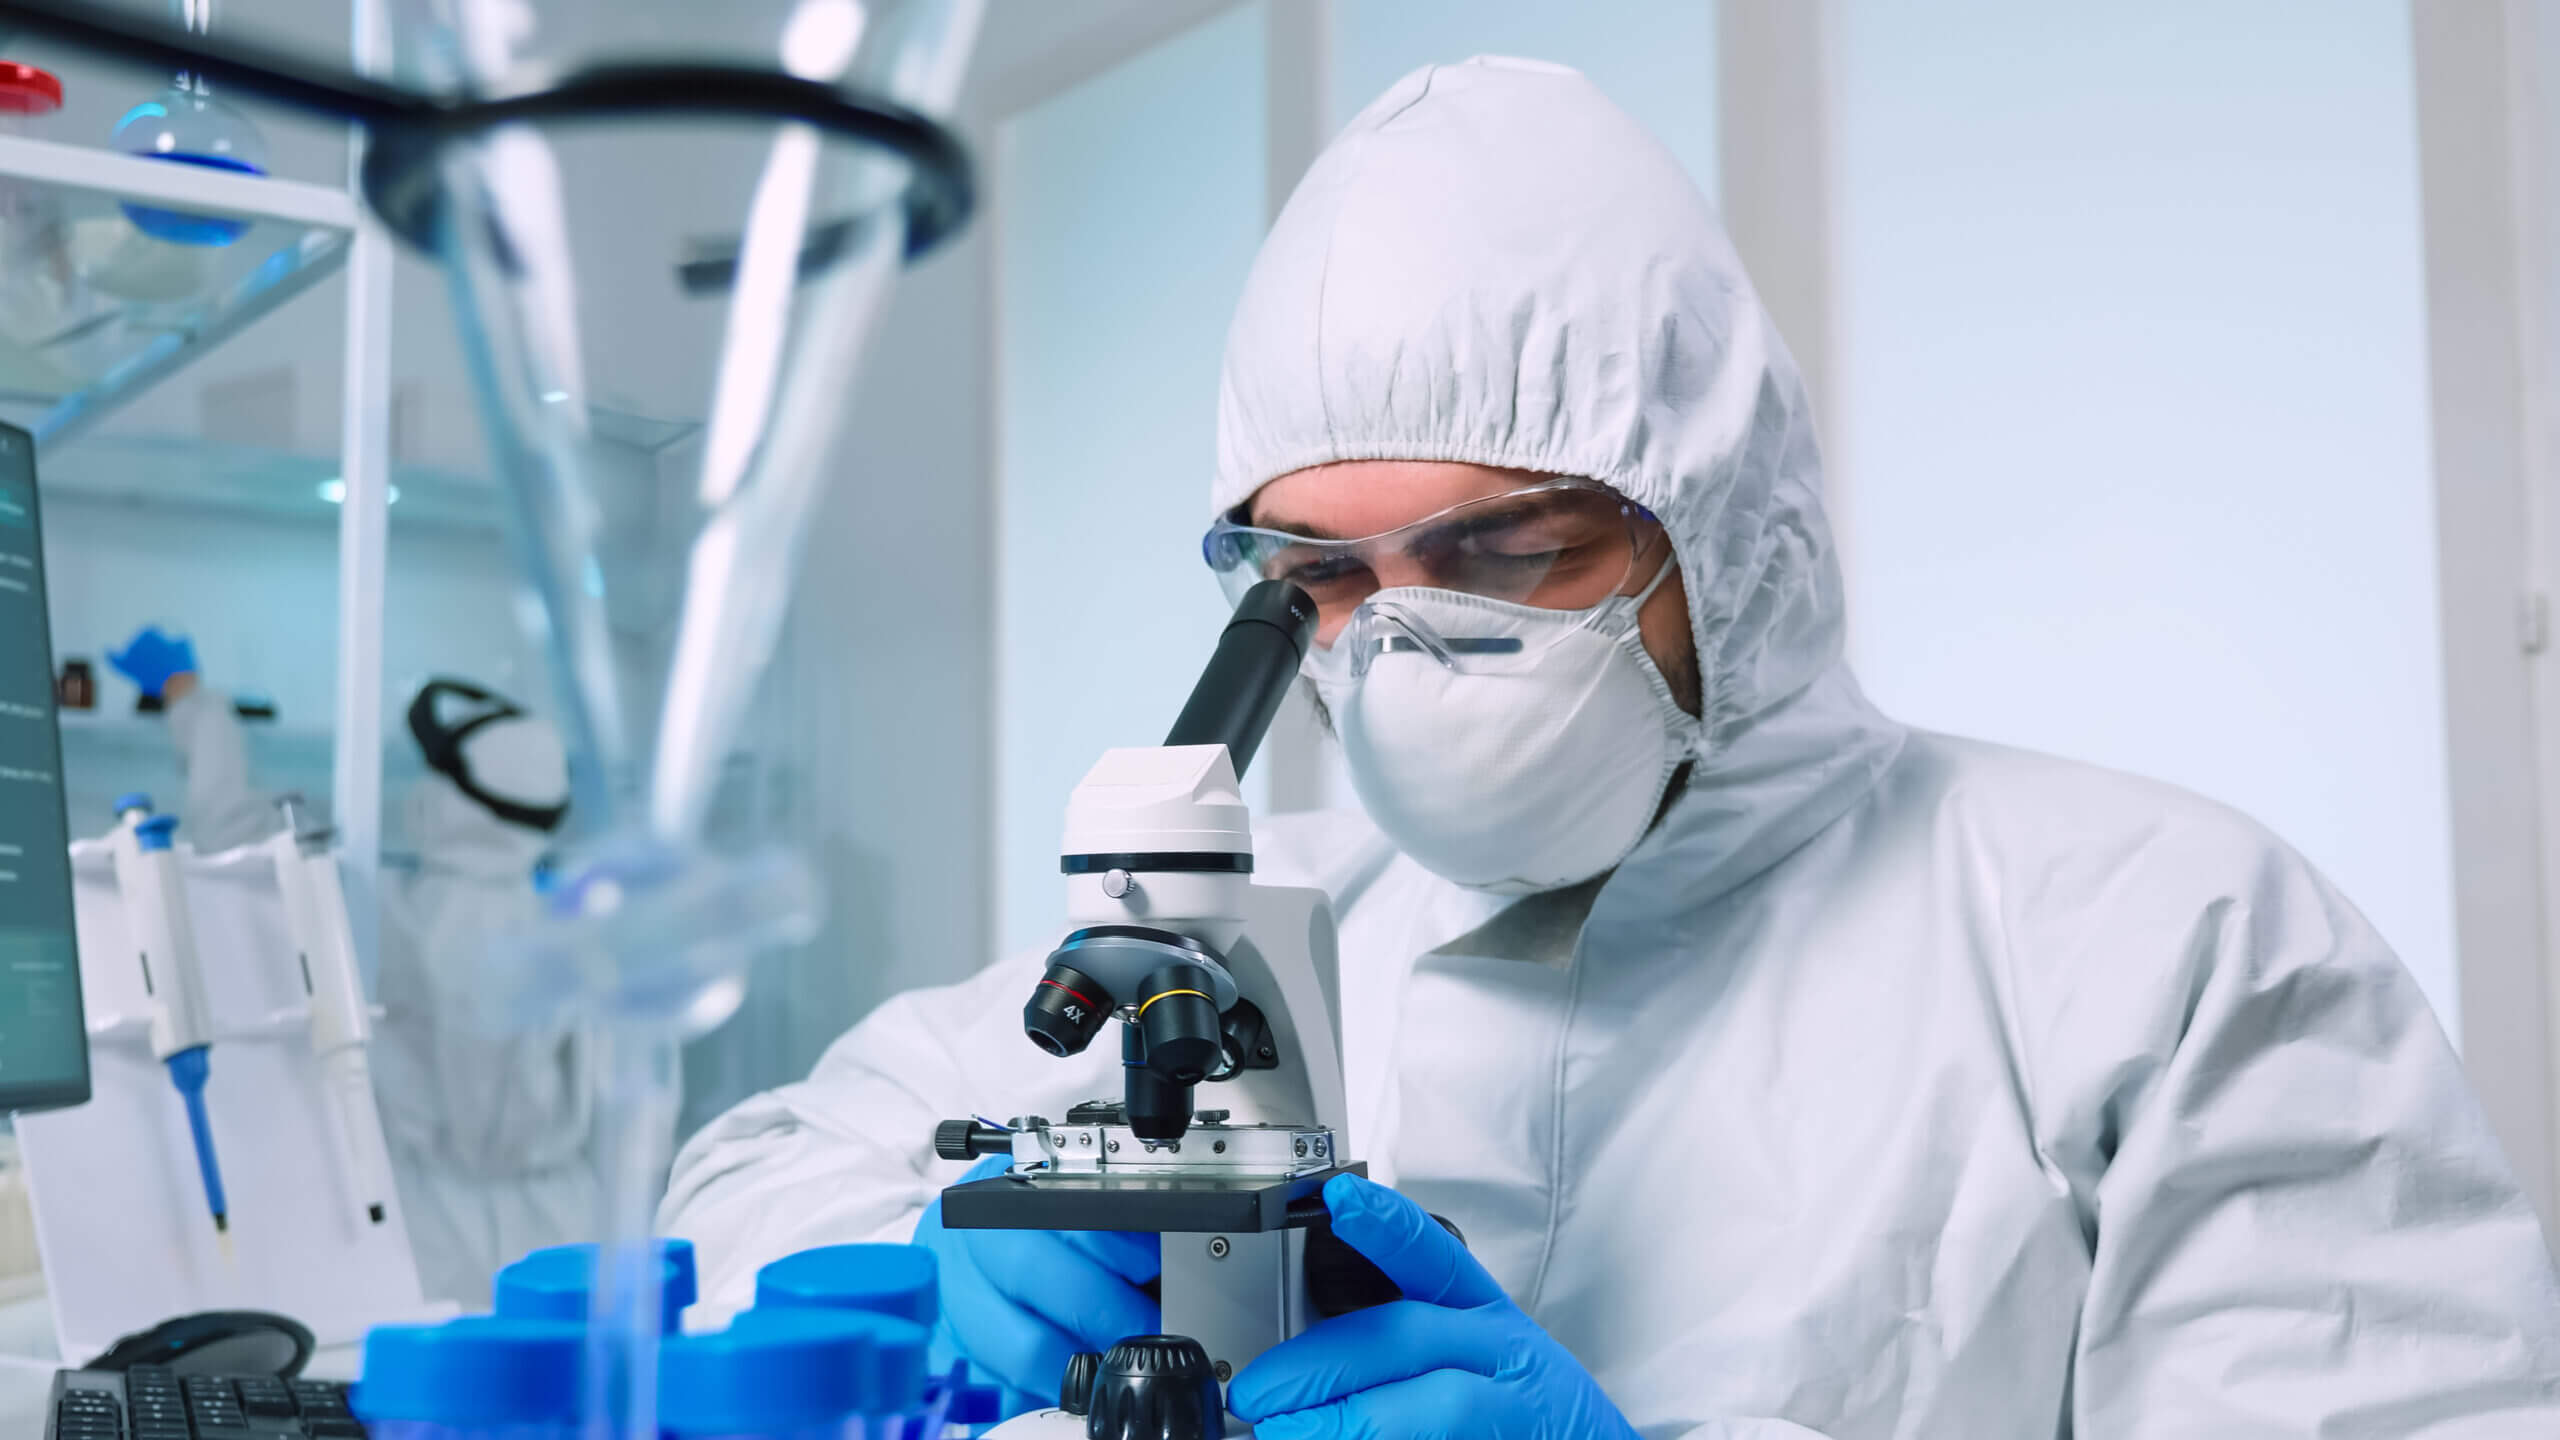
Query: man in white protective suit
pixel 1789 1072
pixel 491 1127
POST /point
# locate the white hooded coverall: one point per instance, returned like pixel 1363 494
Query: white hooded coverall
pixel 489 1127
pixel 1896 1084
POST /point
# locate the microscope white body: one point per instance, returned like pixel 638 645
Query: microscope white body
pixel 1278 941
pixel 1237 1293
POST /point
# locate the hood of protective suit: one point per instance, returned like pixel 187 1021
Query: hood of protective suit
pixel 1494 264
pixel 519 759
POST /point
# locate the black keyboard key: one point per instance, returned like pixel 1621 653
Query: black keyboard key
pixel 341 1428
pixel 321 1399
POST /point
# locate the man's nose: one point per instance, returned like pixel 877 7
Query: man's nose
pixel 1395 572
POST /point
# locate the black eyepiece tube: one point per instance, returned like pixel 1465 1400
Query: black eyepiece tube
pixel 1248 677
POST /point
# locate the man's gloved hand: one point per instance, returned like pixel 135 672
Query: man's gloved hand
pixel 152 657
pixel 1017 1303
pixel 1454 1357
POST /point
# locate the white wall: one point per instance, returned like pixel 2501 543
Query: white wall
pixel 1127 211
pixel 2135 409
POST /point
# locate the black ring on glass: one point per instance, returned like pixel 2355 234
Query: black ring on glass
pixel 405 187
pixel 408 127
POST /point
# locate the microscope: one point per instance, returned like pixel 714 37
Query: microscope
pixel 1216 981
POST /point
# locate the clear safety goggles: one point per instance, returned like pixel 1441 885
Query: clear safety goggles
pixel 1558 545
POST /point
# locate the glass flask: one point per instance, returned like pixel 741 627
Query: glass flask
pixel 185 124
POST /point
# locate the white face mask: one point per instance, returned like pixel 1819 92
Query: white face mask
pixel 1515 775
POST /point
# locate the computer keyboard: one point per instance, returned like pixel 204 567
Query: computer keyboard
pixel 151 1402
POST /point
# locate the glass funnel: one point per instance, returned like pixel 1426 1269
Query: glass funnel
pixel 664 313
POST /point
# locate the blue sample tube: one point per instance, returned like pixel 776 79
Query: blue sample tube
pixel 895 1280
pixel 482 1377
pixel 899 1282
pixel 792 1374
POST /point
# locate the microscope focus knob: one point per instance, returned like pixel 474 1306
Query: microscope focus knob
pixel 1155 1387
pixel 1075 1391
pixel 969 1139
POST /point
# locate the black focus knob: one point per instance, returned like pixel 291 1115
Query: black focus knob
pixel 1341 1279
pixel 969 1139
pixel 1065 1011
pixel 1075 1392
pixel 1155 1387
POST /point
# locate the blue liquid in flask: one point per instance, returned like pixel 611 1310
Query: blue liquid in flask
pixel 188 127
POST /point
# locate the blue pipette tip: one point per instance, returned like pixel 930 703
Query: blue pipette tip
pixel 187 1071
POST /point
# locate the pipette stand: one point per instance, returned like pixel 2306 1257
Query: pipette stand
pixel 119 1209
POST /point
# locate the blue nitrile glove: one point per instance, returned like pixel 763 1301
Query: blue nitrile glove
pixel 1017 1303
pixel 1454 1357
pixel 152 656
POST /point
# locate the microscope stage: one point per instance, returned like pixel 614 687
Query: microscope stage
pixel 1203 1204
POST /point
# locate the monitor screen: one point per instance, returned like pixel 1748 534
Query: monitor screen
pixel 44 1046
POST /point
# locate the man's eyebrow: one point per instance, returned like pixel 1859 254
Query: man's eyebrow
pixel 1304 528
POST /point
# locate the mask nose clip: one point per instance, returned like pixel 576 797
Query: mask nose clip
pixel 1387 628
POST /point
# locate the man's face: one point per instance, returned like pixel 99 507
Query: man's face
pixel 1356 498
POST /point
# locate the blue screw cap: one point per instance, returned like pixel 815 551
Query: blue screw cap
pixel 781 1370
pixel 894 1369
pixel 133 800
pixel 159 832
pixel 555 1283
pixel 894 1280
pixel 487 1370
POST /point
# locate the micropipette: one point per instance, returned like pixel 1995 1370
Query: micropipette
pixel 315 908
pixel 155 906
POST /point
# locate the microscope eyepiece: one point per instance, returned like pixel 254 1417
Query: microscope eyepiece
pixel 1178 1016
pixel 1065 1011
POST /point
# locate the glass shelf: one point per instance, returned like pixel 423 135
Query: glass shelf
pixel 152 307
pixel 106 754
pixel 183 473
